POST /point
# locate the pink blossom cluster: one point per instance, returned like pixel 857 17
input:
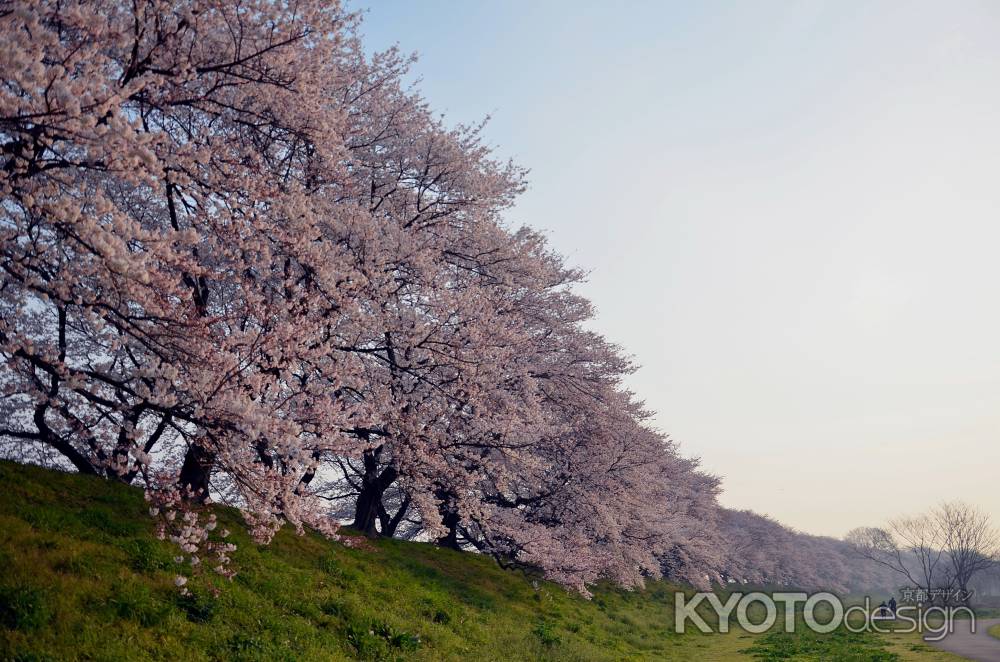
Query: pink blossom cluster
pixel 189 523
pixel 242 253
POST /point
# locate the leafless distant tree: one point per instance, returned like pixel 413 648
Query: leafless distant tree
pixel 971 543
pixel 910 546
pixel 945 548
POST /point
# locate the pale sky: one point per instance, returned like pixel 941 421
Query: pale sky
pixel 790 214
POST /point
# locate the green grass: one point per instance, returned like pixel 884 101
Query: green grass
pixel 838 645
pixel 85 579
pixel 995 631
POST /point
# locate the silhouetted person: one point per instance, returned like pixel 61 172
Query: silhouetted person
pixel 883 610
pixel 892 605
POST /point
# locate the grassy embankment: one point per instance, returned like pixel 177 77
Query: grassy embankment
pixel 84 578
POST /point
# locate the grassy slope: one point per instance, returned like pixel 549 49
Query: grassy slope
pixel 83 578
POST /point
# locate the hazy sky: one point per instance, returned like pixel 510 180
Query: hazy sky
pixel 790 214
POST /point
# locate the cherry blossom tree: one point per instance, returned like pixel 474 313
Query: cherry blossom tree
pixel 243 260
pixel 168 187
pixel 758 550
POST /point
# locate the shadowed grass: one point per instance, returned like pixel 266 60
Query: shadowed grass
pixel 84 578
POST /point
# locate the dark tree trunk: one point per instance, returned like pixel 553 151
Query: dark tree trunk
pixel 389 523
pixel 373 486
pixel 45 433
pixel 198 461
pixel 366 512
pixel 450 519
pixel 196 471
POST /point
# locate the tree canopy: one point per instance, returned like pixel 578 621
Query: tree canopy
pixel 243 260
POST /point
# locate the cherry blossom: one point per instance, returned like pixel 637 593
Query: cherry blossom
pixel 243 261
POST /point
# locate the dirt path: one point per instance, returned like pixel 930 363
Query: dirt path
pixel 980 646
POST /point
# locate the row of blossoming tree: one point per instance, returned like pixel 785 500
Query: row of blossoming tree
pixel 242 260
